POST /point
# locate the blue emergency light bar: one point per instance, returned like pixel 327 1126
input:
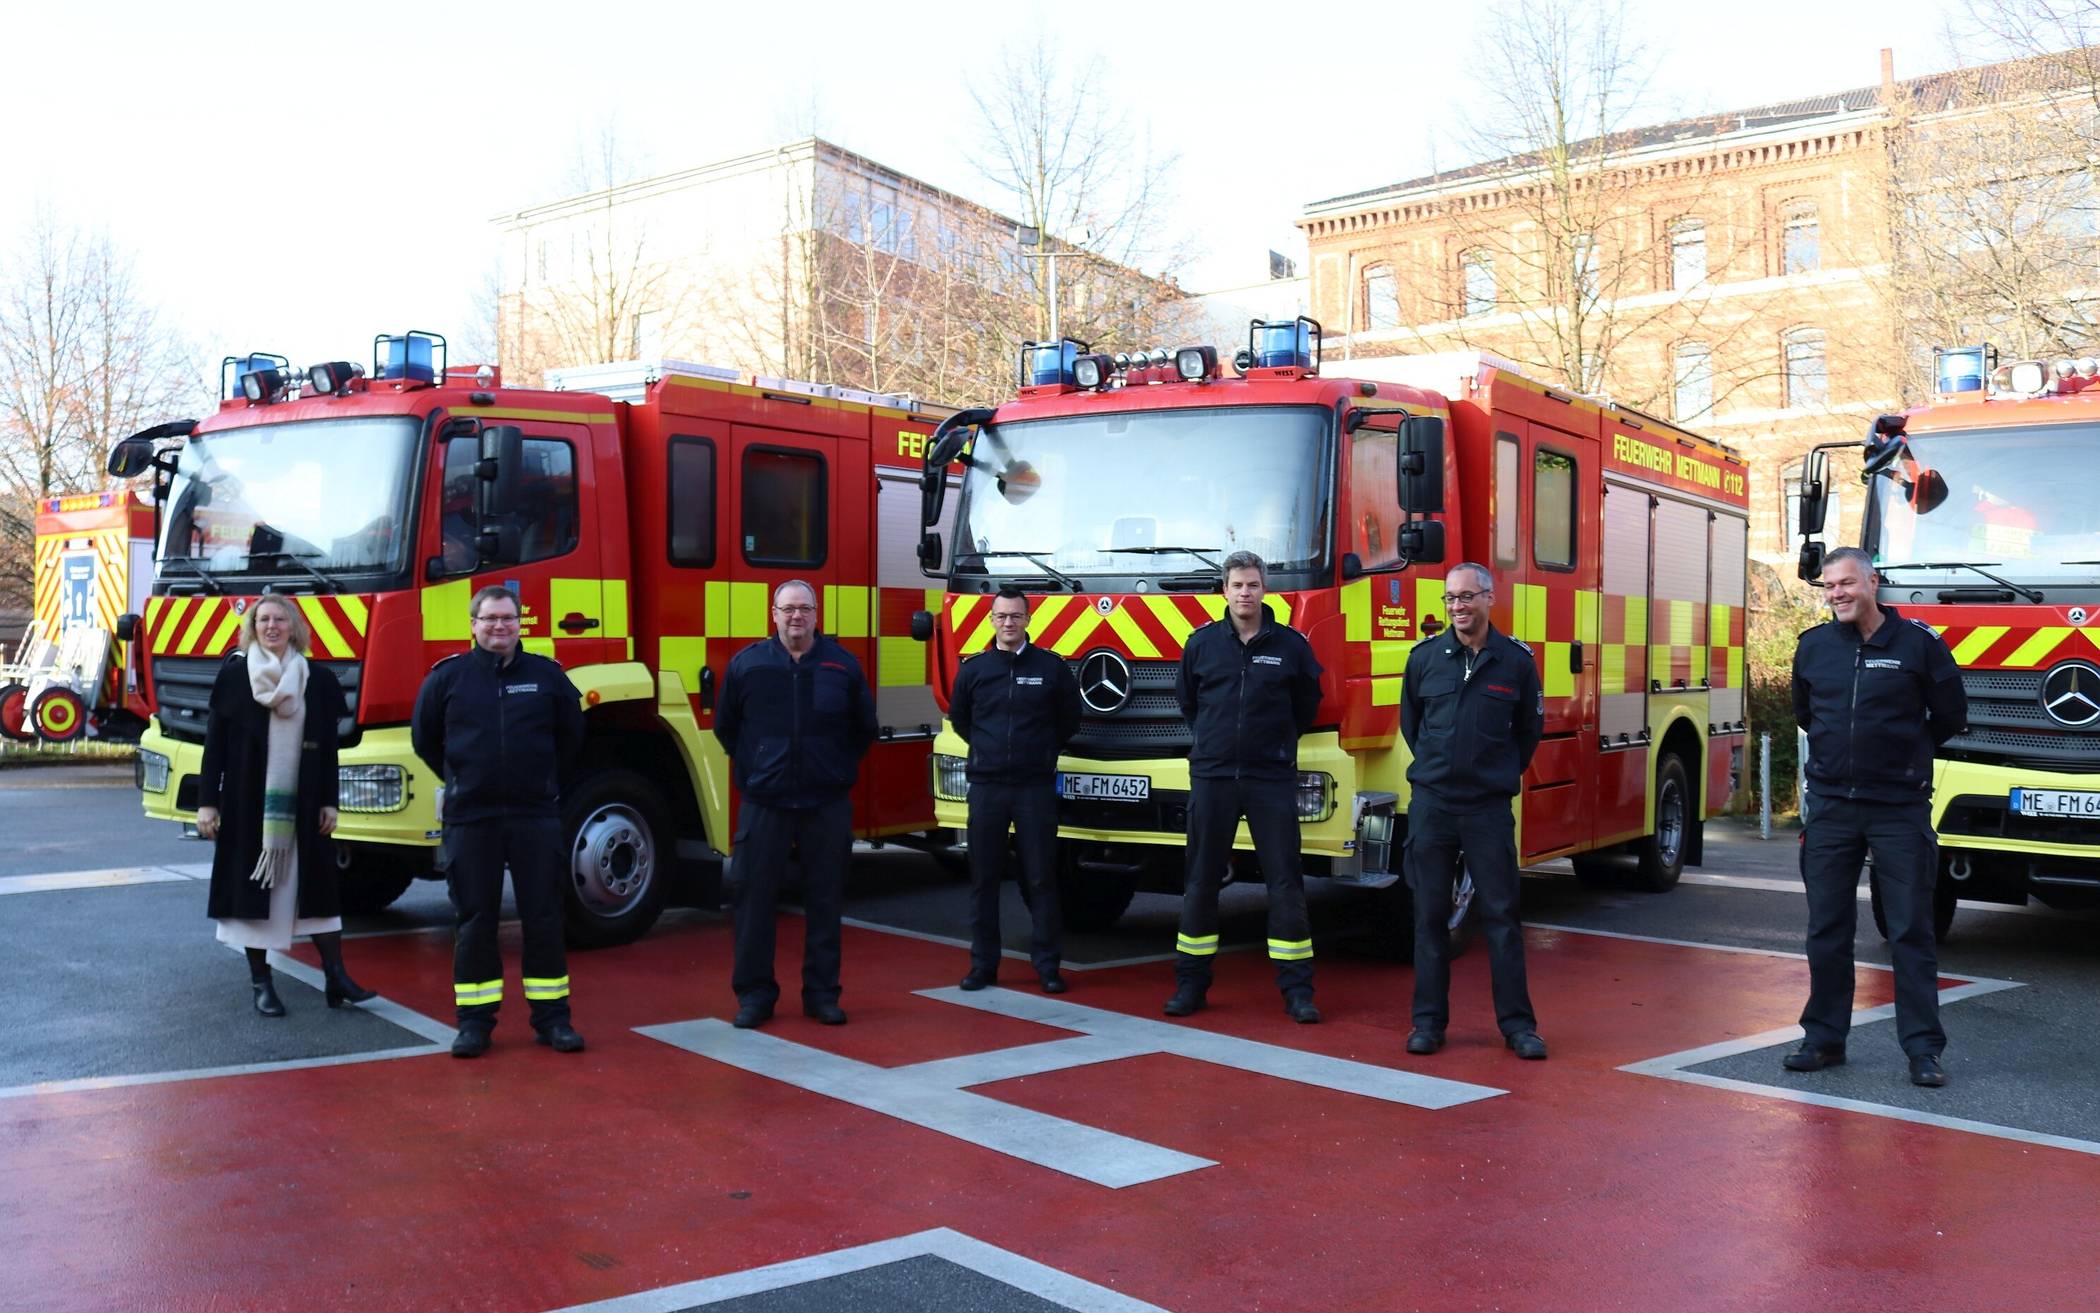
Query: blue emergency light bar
pixel 1962 368
pixel 414 357
pixel 1051 364
pixel 1284 344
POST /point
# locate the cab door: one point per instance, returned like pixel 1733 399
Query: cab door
pixel 1553 474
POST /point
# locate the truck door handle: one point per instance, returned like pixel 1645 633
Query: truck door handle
pixel 707 688
pixel 575 622
pixel 1575 657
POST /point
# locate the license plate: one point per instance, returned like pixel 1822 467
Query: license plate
pixel 1108 788
pixel 2055 802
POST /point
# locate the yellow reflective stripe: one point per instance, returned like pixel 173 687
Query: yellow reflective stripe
pixel 1385 692
pixel 1389 656
pixel 749 605
pixel 1556 680
pixel 1171 619
pixel 203 616
pixel 1197 945
pixel 486 991
pixel 355 611
pixel 1977 643
pixel 614 601
pixel 166 626
pixel 1356 611
pixel 846 611
pixel 1290 950
pixel 546 987
pixel 575 597
pixel 1047 610
pixel 1589 604
pixel 222 638
pixel 2034 649
pixel 1636 621
pixel 1528 620
pixel 899 662
pixel 326 636
pixel 1083 628
pixel 684 657
pixel 1126 627
pixel 1214 603
pixel 445 616
pixel 538 646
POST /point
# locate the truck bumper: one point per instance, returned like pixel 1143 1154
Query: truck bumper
pixel 1162 818
pixel 406 816
pixel 1980 832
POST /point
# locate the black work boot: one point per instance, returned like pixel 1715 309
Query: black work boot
pixel 1188 997
pixel 264 983
pixel 341 988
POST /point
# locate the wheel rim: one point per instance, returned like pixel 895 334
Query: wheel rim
pixel 1669 821
pixel 614 860
pixel 1461 899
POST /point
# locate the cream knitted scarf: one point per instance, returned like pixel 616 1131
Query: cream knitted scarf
pixel 279 684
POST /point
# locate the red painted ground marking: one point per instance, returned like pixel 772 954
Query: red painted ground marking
pixel 529 1180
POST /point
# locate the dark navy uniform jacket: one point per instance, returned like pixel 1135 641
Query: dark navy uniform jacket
pixel 795 730
pixel 500 736
pixel 1875 710
pixel 1247 703
pixel 1472 737
pixel 1015 710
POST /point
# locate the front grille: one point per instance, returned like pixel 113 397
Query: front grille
pixel 1165 812
pixel 1148 725
pixel 1974 816
pixel 182 691
pixel 2007 726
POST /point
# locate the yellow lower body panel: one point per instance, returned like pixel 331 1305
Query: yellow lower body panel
pixel 413 825
pixel 1955 780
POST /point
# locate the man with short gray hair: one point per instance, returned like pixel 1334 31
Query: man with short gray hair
pixel 1472 711
pixel 1877 695
pixel 796 717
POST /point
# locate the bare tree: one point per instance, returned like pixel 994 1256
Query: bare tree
pixel 84 360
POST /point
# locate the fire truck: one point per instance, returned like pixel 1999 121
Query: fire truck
pixel 1113 487
pixel 1980 528
pixel 643 513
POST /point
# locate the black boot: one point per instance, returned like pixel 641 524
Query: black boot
pixel 341 988
pixel 265 985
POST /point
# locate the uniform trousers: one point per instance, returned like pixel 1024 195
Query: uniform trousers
pixel 1271 809
pixel 1840 834
pixel 822 838
pixel 476 854
pixel 1438 838
pixel 1031 810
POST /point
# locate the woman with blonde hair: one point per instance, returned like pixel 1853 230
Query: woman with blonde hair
pixel 267 798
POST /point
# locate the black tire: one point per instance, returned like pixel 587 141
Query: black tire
pixel 618 863
pixel 1394 935
pixel 1662 853
pixel 14 713
pixel 371 878
pixel 1944 898
pixel 58 715
pixel 1091 899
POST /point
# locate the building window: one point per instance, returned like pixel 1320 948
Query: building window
pixel 1583 250
pixel 1692 374
pixel 1807 369
pixel 1801 240
pixel 1687 254
pixel 783 510
pixel 1478 271
pixel 1381 298
pixel 692 501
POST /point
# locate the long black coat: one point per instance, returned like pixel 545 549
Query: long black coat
pixel 236 751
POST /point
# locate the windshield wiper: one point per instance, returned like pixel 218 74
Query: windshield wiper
pixel 2029 594
pixel 1033 558
pixel 1197 552
pixel 211 585
pixel 299 559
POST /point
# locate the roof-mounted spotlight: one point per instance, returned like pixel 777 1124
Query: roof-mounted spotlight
pixel 263 386
pixel 332 378
pixel 1093 372
pixel 1195 363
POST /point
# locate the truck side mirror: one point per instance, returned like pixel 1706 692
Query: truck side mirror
pixel 1814 494
pixel 131 458
pixel 1811 563
pixel 922 626
pixel 945 444
pixel 1421 467
pixel 930 553
pixel 1421 542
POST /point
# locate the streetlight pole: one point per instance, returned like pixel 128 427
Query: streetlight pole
pixel 1033 237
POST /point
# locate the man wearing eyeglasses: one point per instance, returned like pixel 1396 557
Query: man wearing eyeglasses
pixel 501 727
pixel 1015 705
pixel 1471 711
pixel 795 717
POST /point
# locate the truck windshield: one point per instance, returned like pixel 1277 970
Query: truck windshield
pixel 1132 492
pixel 317 496
pixel 2015 506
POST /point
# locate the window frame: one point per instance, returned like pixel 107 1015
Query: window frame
pixel 714 493
pixel 1677 379
pixel 1574 510
pixel 1678 232
pixel 1483 263
pixel 1796 216
pixel 1800 337
pixel 1385 273
pixel 823 515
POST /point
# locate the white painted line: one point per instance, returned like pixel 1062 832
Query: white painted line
pixel 1771 884
pixel 105 879
pixel 437 1033
pixel 1002 1265
pixel 1017 954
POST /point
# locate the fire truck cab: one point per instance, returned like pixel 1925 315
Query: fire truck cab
pixel 1112 488
pixel 643 512
pixel 1980 528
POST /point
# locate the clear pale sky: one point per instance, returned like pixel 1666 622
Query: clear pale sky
pixel 297 179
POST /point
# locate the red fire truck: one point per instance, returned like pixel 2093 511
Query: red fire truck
pixel 1981 529
pixel 1113 487
pixel 644 515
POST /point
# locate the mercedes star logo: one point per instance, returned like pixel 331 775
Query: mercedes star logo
pixel 2070 694
pixel 1104 682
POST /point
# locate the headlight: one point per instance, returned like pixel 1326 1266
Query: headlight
pixel 371 788
pixel 1315 796
pixel 951 777
pixel 151 773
